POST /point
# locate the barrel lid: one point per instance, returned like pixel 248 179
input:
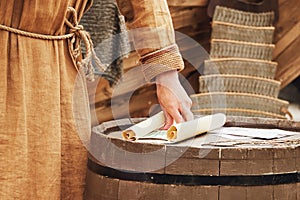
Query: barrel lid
pixel 210 154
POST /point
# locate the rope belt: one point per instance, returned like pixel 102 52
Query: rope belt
pixel 76 35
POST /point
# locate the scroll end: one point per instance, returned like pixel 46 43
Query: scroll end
pixel 129 135
pixel 172 133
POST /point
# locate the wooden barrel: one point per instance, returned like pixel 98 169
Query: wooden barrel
pixel 207 167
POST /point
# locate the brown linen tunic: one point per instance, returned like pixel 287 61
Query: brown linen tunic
pixel 42 156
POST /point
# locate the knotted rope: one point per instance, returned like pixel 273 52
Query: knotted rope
pixel 35 35
pixel 79 34
pixel 76 35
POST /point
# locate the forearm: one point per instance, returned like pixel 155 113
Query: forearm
pixel 151 28
pixel 150 22
pixel 152 31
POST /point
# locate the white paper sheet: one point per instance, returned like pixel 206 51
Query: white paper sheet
pixel 267 134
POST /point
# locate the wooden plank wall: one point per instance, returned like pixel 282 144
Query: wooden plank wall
pixel 287 39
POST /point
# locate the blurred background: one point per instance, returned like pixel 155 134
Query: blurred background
pixel 190 17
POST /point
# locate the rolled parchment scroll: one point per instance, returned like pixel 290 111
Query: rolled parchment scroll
pixel 176 132
pixel 139 130
pixel 185 130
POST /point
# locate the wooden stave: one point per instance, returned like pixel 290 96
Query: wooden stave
pixel 282 158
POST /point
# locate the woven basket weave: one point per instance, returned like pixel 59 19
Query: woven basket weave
pixel 238 79
pixel 229 31
pixel 238 66
pixel 226 100
pixel 243 18
pixel 239 84
pixel 230 48
pixel 239 112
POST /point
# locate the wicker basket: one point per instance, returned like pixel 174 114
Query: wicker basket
pixel 229 31
pixel 226 100
pixel 243 18
pixel 239 112
pixel 239 77
pixel 230 48
pixel 240 84
pixel 240 66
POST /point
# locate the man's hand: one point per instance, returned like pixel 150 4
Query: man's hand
pixel 173 99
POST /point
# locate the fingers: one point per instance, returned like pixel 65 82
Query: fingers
pixel 168 120
pixel 175 114
pixel 187 113
pixel 170 116
pixel 185 109
pixel 174 100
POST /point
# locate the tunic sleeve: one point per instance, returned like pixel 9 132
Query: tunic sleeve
pixel 151 28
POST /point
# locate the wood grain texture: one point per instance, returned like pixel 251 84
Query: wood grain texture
pixel 298 158
pixel 172 192
pixel 148 191
pixel 288 64
pixel 255 122
pixel 230 193
pixel 260 192
pixel 285 192
pixel 298 191
pixel 248 158
pixel 287 40
pixel 123 190
pixel 289 16
pixel 101 187
pixel 192 161
pixel 128 190
pixel 186 16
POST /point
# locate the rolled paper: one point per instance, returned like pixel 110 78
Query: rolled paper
pixel 128 135
pixel 147 126
pixel 177 132
pixel 185 130
pixel 172 133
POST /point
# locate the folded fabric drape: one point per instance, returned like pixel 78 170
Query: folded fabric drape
pixel 108 32
pixel 42 156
